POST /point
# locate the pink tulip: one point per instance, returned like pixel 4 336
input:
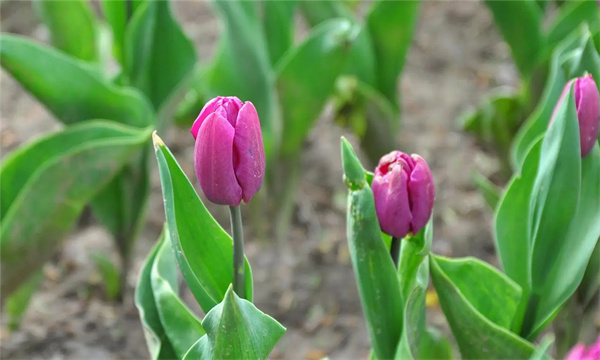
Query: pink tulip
pixel 404 192
pixel 587 103
pixel 229 156
pixel 581 352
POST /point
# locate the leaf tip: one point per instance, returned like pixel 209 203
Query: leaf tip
pixel 157 140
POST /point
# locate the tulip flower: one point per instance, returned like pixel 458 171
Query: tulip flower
pixel 587 103
pixel 581 352
pixel 229 156
pixel 404 191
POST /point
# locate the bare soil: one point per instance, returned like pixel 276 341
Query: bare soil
pixel 456 60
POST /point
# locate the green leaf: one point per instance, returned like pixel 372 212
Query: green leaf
pixel 576 247
pixel 71 89
pixel 242 67
pixel 195 235
pixel 303 90
pixel 369 114
pixel 117 14
pixel 236 329
pixel 571 15
pixel 469 291
pixel 391 25
pixel 154 332
pixel 180 325
pixel 278 23
pixel 46 184
pixel 489 190
pixel 543 348
pixel 121 205
pixel 110 275
pixel 520 23
pixel 511 225
pixel 18 302
pixel 318 11
pixel 497 121
pixel 158 56
pixel 378 284
pixel 555 192
pixel 591 278
pixel 572 48
pixel 72 25
pixel 434 346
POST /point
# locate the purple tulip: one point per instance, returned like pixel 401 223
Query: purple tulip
pixel 587 103
pixel 404 191
pixel 581 352
pixel 229 156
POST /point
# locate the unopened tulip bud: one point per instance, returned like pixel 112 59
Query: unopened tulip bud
pixel 404 192
pixel 229 156
pixel 587 103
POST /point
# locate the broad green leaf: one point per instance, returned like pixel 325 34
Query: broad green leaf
pixel 555 192
pixel 204 251
pixel 145 301
pixel 571 15
pixel 463 302
pixel 520 23
pixel 181 326
pixel 72 25
pixel 158 56
pixel 489 190
pixel 46 184
pixel 121 205
pixel 71 89
pixel 413 273
pixel 278 23
pixel 489 291
pixel 242 67
pixel 434 346
pixel 110 275
pixel 17 303
pixel 576 248
pixel 391 25
pixel 237 330
pixel 303 90
pixel 378 284
pixel 511 224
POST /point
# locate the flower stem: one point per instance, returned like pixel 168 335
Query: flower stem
pixel 238 251
pixel 395 250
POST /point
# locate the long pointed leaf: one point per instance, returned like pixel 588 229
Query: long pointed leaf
pixel 47 185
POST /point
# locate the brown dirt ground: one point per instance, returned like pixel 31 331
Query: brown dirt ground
pixel 456 60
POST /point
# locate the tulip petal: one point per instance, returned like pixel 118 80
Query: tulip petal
pixel 391 202
pixel 422 193
pixel 588 112
pixel 214 161
pixel 208 109
pixel 249 152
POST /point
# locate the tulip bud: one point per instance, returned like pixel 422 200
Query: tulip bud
pixel 404 191
pixel 587 103
pixel 229 157
pixel 581 352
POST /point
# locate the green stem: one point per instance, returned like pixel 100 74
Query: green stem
pixel 395 250
pixel 238 251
